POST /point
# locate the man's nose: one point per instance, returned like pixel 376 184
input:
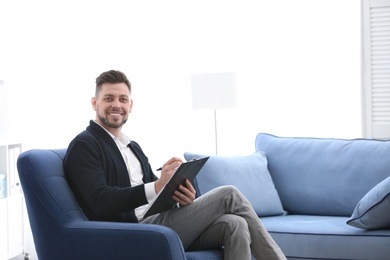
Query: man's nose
pixel 116 104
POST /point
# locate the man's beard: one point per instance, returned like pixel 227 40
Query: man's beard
pixel 112 125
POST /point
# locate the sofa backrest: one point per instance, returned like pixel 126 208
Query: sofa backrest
pixel 318 176
pixel 50 202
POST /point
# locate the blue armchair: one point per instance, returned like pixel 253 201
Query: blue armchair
pixel 61 230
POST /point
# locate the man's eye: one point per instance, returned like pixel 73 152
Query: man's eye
pixel 107 99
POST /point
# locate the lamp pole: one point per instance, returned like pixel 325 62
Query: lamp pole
pixel 213 91
pixel 216 131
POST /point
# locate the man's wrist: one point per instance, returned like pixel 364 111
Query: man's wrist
pixel 157 186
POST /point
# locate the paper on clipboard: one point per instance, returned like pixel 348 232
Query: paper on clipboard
pixel 163 201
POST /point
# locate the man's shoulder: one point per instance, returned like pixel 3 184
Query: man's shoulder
pixel 85 135
pixel 91 134
pixel 85 139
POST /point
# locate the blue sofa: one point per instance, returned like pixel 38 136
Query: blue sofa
pixel 319 198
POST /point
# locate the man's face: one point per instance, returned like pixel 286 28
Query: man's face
pixel 112 106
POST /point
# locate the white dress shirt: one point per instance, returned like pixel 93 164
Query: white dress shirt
pixel 134 170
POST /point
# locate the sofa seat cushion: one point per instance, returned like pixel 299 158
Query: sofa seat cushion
pixel 247 173
pixel 324 176
pixel 326 237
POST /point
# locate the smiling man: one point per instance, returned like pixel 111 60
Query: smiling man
pixel 113 181
pixel 112 104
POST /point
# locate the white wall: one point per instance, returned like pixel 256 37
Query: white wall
pixel 297 65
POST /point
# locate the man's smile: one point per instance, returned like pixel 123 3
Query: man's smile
pixel 115 113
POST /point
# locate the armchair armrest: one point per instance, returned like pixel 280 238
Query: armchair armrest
pixel 112 240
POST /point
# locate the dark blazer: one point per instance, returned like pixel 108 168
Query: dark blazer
pixel 98 176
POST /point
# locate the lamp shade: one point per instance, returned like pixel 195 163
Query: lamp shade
pixel 213 90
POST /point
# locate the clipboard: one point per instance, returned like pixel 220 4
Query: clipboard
pixel 163 201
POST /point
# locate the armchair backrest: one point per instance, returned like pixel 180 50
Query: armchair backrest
pixel 50 202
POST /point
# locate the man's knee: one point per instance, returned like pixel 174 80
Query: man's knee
pixel 230 197
pixel 229 189
pixel 235 225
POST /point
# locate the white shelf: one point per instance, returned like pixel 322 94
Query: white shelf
pixel 11 205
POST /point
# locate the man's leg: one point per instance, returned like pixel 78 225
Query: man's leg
pixel 230 231
pixel 190 221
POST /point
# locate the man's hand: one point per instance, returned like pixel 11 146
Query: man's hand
pixel 167 171
pixel 185 195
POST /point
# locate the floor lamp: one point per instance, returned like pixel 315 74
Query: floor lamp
pixel 214 91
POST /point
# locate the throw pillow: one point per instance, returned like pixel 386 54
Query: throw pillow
pixel 372 211
pixel 248 173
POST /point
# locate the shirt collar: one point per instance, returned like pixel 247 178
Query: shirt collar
pixel 122 139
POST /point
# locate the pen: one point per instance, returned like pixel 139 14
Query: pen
pixel 193 159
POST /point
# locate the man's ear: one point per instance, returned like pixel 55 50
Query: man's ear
pixel 130 105
pixel 93 102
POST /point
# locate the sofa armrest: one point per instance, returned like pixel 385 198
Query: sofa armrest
pixel 112 240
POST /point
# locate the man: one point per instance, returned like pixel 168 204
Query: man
pixel 113 181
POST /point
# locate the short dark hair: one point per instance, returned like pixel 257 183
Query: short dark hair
pixel 111 76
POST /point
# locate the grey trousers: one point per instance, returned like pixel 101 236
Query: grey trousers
pixel 221 217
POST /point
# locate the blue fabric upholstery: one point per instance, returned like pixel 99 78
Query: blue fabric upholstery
pixel 249 173
pixel 329 175
pixel 326 237
pixel 61 230
pixel 372 211
pixel 320 181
